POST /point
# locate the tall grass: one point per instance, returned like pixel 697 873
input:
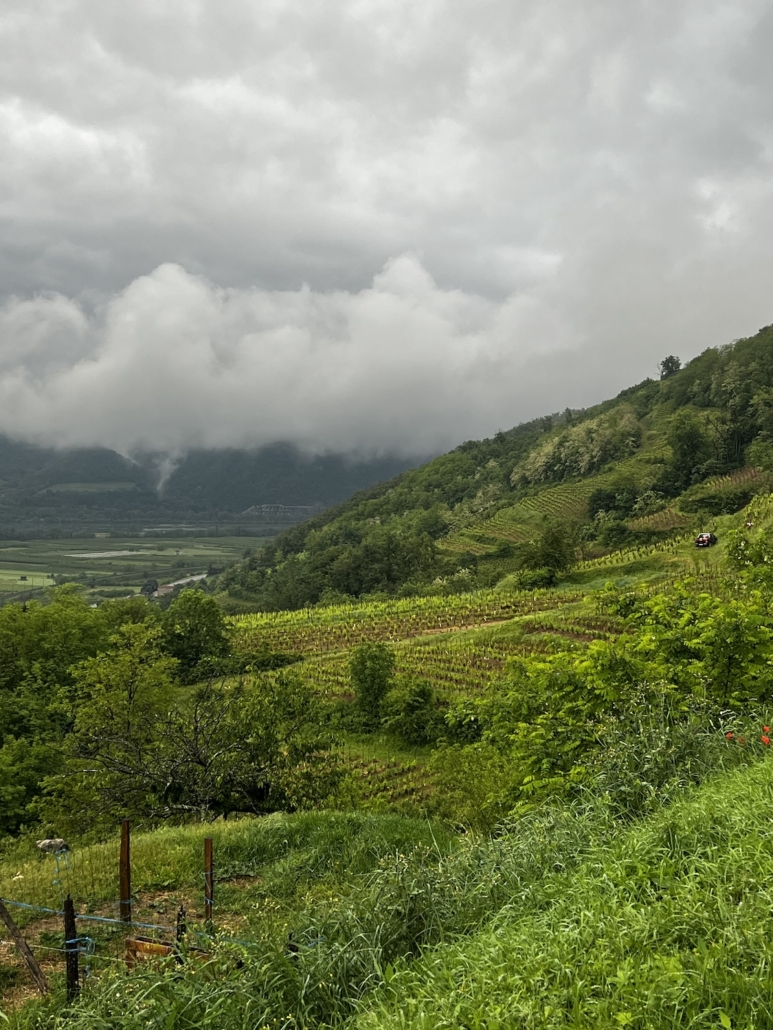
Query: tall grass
pixel 667 926
pixel 566 919
pixel 286 853
pixel 342 947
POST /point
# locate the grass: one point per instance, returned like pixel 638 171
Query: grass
pixel 666 925
pixel 566 919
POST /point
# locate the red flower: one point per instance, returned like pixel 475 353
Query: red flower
pixel 729 736
pixel 766 729
pixel 765 740
pixel 741 740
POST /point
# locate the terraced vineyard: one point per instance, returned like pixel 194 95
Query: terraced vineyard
pixel 453 667
pixel 662 521
pixel 567 502
pixel 391 784
pixel 335 628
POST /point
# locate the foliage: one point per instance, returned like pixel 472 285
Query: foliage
pixel 411 713
pixel 138 750
pixel 688 657
pixel 669 366
pixel 194 628
pixel 371 668
pixel 90 703
pixel 581 449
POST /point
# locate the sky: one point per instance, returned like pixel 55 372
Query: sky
pixel 370 226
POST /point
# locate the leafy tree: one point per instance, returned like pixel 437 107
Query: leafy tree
pixel 371 668
pixel 140 748
pixel 690 451
pixel 194 628
pixel 556 549
pixel 669 366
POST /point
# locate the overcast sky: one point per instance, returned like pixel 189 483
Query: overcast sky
pixel 373 225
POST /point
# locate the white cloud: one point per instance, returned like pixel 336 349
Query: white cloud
pixel 175 362
pixel 586 185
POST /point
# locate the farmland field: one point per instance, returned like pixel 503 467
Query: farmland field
pixel 111 563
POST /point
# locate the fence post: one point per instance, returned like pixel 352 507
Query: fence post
pixel 209 879
pixel 126 873
pixel 24 950
pixel 180 933
pixel 71 949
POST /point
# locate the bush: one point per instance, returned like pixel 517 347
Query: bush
pixel 371 668
pixel 412 714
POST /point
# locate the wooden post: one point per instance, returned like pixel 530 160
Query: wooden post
pixel 209 879
pixel 180 934
pixel 126 873
pixel 24 950
pixel 71 949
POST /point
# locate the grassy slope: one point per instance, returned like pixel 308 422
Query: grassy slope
pixel 566 921
pixel 668 925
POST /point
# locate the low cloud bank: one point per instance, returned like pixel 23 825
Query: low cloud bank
pixel 174 362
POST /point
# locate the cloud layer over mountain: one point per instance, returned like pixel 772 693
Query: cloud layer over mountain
pixel 370 225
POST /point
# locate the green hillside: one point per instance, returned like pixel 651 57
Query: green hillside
pixel 661 457
pixel 503 793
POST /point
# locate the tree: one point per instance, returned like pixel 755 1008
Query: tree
pixel 690 450
pixel 149 587
pixel 371 668
pixel 669 366
pixel 140 748
pixel 194 628
pixel 556 548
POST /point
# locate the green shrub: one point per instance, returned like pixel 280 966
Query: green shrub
pixel 412 713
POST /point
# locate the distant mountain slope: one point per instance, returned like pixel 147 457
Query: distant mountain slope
pixel 278 474
pixel 45 483
pixel 651 460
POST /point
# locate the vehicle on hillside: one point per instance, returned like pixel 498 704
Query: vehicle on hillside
pixel 705 540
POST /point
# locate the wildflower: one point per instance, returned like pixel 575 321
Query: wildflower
pixel 765 740
pixel 766 729
pixel 741 740
pixel 729 736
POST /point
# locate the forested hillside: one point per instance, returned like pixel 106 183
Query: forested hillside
pixel 627 471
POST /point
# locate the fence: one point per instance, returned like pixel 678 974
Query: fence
pixel 75 946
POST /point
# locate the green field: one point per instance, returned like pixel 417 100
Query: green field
pixel 111 563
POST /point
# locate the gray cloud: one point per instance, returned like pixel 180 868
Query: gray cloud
pixel 370 225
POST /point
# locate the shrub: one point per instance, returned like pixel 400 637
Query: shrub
pixel 412 714
pixel 371 668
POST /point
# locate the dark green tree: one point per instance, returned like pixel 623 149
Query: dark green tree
pixel 194 628
pixel 669 366
pixel 691 450
pixel 372 669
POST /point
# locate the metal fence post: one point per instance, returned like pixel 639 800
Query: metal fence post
pixel 209 879
pixel 71 949
pixel 126 873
